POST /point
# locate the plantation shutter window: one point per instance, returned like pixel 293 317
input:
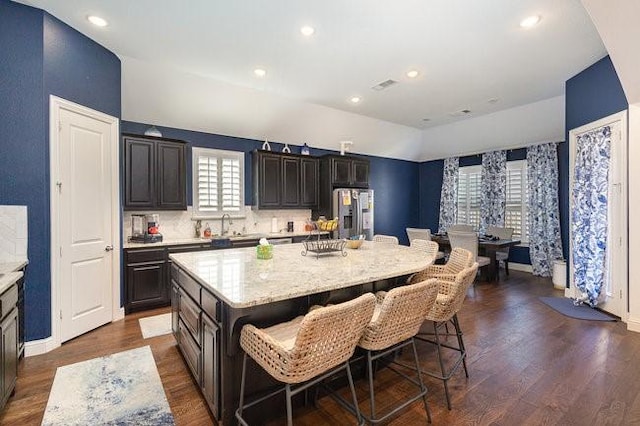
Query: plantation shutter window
pixel 516 200
pixel 218 182
pixel 469 180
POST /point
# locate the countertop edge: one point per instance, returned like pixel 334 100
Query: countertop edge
pixel 7 280
pixel 187 241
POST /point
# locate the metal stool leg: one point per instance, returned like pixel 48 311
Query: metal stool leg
pixel 289 409
pixel 241 403
pixel 463 351
pixel 422 386
pixel 371 392
pixel 353 395
pixel 442 368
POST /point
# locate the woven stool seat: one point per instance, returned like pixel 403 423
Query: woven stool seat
pixel 459 259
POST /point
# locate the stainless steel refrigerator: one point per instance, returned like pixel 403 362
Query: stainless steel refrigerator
pixel 354 210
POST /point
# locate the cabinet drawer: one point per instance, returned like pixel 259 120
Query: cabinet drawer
pixel 210 305
pixel 8 300
pixel 145 255
pixel 190 350
pixel 188 284
pixel 190 314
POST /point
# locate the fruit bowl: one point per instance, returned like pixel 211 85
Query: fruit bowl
pixel 354 244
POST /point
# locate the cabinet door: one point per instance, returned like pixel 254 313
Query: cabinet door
pixel 171 176
pixel 269 180
pixel 139 174
pixel 309 182
pixel 146 286
pixel 175 309
pixel 360 173
pixel 341 171
pixel 290 182
pixel 210 376
pixel 9 354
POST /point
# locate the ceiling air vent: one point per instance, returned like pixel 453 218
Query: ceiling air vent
pixel 384 85
pixel 461 113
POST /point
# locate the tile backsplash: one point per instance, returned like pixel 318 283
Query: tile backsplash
pixel 180 224
pixel 13 233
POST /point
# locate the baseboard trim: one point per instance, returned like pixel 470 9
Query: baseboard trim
pixel 523 267
pixel 39 347
pixel 633 324
pixel 42 346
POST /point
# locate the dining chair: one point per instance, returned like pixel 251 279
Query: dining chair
pixel 503 253
pixel 422 234
pixel 388 239
pixel 429 248
pixel 460 227
pixel 468 241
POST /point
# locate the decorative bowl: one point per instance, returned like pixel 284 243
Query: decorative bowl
pixel 354 244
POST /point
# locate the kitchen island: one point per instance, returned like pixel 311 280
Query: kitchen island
pixel 215 293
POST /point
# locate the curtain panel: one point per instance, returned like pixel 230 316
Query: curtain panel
pixel 545 243
pixel 449 194
pixel 589 213
pixel 494 189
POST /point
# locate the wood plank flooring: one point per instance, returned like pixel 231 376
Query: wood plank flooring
pixel 528 365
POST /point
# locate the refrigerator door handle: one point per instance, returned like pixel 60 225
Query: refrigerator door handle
pixel 359 230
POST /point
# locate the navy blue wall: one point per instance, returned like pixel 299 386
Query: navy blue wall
pixel 395 181
pixel 593 94
pixel 39 56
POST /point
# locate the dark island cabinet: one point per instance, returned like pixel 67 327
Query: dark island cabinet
pixel 154 173
pixel 284 181
pixel 9 342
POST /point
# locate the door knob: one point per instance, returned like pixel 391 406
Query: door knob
pixel 108 248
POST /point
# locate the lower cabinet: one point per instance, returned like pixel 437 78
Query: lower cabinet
pixel 195 327
pixel 8 343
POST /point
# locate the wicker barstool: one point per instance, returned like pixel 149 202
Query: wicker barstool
pixel 451 294
pixel 307 349
pixel 396 320
pixel 459 259
pixel 430 248
pixel 389 239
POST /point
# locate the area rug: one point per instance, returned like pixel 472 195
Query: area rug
pixel 565 306
pixel 119 389
pixel 156 325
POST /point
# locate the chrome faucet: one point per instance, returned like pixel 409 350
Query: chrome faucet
pixel 222 231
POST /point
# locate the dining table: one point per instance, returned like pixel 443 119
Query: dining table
pixel 486 246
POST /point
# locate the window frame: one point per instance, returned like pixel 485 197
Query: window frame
pixel 219 154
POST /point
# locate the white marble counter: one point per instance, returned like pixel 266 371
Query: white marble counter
pixel 242 280
pixel 186 241
pixel 7 280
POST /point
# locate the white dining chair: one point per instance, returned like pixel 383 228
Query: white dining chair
pixel 387 239
pixel 468 241
pixel 422 234
pixel 503 253
pixel 460 227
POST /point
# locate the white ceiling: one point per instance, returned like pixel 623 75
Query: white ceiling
pixel 467 52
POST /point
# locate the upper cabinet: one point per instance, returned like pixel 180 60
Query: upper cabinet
pixel 284 181
pixel 154 173
pixel 344 171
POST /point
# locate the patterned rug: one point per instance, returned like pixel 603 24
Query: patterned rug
pixel 119 389
pixel 156 325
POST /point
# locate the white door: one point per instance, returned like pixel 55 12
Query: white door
pixel 616 277
pixel 84 220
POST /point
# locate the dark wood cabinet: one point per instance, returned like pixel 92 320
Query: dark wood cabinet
pixel 343 171
pixel 282 181
pixel 146 285
pixel 195 313
pixel 309 182
pixel 8 342
pixel 154 173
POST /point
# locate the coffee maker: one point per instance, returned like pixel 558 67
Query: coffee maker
pixel 145 228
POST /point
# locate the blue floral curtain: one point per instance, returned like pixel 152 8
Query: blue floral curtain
pixel 589 213
pixel 449 194
pixel 545 243
pixel 494 189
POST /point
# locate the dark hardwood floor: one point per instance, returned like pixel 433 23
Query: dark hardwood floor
pixel 528 365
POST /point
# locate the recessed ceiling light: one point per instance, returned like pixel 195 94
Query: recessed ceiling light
pixel 307 30
pixel 259 72
pixel 97 21
pixel 530 21
pixel 355 99
pixel 412 73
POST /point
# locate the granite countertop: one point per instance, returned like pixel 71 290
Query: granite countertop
pixel 6 267
pixel 8 279
pixel 186 241
pixel 242 280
